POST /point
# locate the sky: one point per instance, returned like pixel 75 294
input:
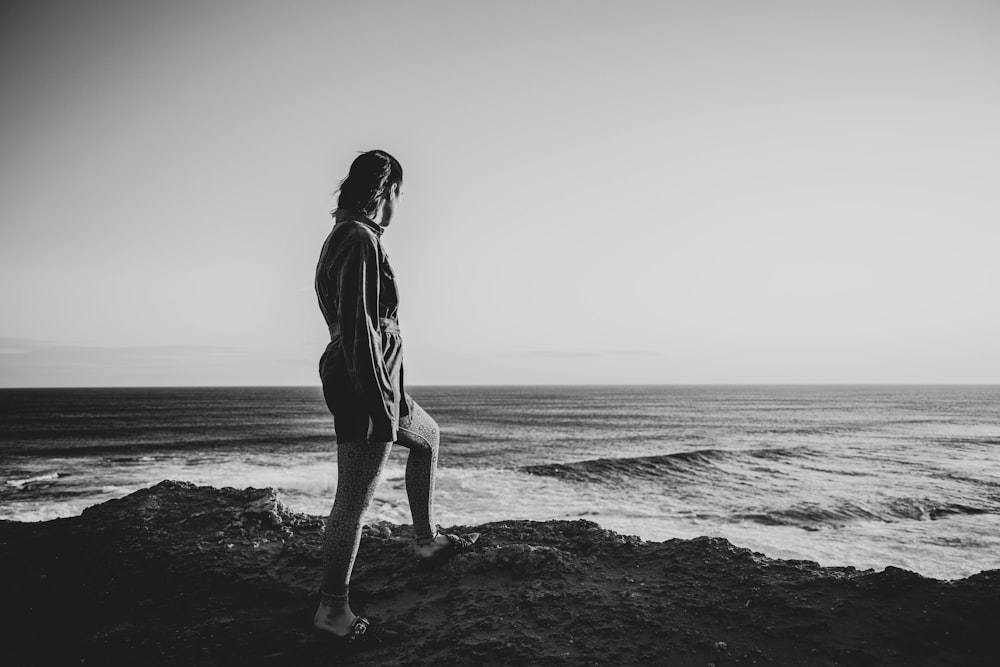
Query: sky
pixel 594 192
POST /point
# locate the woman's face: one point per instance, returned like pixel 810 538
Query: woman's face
pixel 389 205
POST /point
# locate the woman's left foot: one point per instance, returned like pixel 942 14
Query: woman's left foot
pixel 444 545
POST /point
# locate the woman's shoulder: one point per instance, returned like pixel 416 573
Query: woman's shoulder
pixel 349 239
pixel 350 232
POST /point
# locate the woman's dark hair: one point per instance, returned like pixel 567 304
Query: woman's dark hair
pixel 371 176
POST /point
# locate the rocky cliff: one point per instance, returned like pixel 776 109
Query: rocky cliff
pixel 185 575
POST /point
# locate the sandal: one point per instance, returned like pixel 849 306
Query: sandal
pixel 457 544
pixel 363 635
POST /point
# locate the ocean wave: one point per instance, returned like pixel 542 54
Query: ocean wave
pixel 138 459
pixel 609 470
pixel 989 441
pixel 813 517
pixel 800 430
pixel 21 483
pixel 136 449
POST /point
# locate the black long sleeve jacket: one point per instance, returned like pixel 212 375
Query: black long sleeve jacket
pixel 362 367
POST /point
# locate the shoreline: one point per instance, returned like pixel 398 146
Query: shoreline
pixel 178 573
pixel 835 548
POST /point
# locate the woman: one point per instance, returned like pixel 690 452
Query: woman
pixel 362 374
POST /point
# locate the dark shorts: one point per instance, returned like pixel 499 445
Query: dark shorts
pixel 350 416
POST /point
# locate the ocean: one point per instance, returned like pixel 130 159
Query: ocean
pixel 867 476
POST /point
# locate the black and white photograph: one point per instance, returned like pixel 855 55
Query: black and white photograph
pixel 560 332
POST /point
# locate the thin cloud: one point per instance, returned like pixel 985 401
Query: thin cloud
pixel 36 363
pixel 554 353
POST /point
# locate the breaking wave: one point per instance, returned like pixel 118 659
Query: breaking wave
pixel 661 466
pixel 812 517
pixel 21 483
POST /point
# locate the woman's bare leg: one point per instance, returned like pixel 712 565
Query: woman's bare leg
pixel 419 433
pixel 358 467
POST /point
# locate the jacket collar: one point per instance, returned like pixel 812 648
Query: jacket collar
pixel 344 214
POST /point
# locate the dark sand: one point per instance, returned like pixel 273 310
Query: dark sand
pixel 186 575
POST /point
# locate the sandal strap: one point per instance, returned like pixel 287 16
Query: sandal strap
pixel 359 628
pixel 364 632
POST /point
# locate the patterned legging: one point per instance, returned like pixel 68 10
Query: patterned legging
pixel 358 467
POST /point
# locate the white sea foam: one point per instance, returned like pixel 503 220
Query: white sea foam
pixel 18 483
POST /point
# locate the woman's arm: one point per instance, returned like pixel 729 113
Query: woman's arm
pixel 358 287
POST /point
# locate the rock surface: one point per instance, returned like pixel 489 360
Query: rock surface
pixel 185 575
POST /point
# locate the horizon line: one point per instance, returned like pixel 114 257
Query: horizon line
pixel 532 384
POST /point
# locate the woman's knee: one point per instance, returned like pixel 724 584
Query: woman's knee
pixel 419 430
pixel 433 432
pixel 419 440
